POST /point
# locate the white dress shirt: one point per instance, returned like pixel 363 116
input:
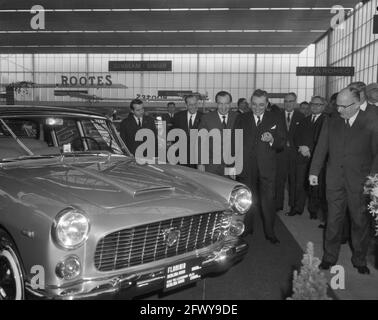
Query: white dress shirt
pixel 316 117
pixel 141 120
pixel 191 115
pixel 351 120
pixel 364 106
pixel 256 119
pixel 221 117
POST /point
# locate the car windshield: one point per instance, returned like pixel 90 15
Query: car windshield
pixel 48 136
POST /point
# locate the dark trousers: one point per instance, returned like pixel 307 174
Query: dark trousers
pixel 262 186
pixel 317 201
pixel 286 171
pixel 338 201
pixel 316 194
pixel 301 186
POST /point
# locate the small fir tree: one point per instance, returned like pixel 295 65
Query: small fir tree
pixel 310 283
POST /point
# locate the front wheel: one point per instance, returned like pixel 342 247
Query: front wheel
pixel 11 279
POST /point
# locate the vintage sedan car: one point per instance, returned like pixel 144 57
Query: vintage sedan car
pixel 81 218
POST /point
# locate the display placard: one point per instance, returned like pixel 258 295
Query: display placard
pixel 183 273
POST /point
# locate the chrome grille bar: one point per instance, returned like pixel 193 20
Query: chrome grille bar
pixel 142 244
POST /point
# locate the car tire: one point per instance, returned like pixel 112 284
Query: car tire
pixel 11 276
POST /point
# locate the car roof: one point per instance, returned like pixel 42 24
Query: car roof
pixel 48 110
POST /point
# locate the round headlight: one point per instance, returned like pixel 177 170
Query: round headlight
pixel 237 228
pixel 241 199
pixel 69 268
pixel 70 228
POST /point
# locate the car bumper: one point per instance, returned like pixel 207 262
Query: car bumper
pixel 132 285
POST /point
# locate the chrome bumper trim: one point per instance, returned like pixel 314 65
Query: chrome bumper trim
pixel 144 281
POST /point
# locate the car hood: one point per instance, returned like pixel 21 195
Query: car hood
pixel 113 183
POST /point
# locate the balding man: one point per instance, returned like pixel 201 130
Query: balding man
pixel 365 105
pixel 306 139
pixel 351 142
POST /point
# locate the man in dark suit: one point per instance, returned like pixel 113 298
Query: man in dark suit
pixel 243 106
pixel 263 136
pixel 169 116
pixel 136 120
pixel 288 156
pixel 221 119
pixel 365 105
pixel 273 107
pixel 305 108
pixel 186 120
pixel 372 94
pixel 305 140
pixel 351 143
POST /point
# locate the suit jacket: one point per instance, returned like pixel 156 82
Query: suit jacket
pixel 353 152
pixel 129 128
pixel 180 121
pixel 273 108
pixel 371 108
pixel 255 151
pixel 211 121
pixel 307 134
pixel 296 118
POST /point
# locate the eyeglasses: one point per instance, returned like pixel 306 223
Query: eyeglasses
pixel 317 104
pixel 344 107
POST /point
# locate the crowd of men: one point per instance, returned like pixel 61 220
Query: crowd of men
pixel 323 151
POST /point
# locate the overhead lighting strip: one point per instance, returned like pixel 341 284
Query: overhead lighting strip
pixel 159 31
pixel 175 9
pixel 154 46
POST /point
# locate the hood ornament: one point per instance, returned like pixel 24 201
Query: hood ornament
pixel 171 236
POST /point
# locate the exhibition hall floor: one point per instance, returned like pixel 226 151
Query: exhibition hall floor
pixel 266 271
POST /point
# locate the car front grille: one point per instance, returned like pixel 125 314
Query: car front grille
pixel 155 241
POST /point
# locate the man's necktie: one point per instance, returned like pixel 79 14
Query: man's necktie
pixel 313 119
pixel 288 120
pixel 347 123
pixel 224 123
pixel 139 123
pixel 258 121
pixel 191 122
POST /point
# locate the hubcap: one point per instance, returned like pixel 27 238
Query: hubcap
pixel 8 287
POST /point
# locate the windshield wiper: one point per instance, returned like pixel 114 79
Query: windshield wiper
pixel 103 153
pixel 31 157
pixel 16 138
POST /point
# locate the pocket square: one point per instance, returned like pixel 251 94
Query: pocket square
pixel 274 127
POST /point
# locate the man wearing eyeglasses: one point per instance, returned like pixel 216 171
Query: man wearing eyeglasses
pixel 305 139
pixel 351 143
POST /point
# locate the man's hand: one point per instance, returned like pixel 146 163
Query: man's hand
pixel 304 151
pixel 313 180
pixel 267 137
pixel 201 167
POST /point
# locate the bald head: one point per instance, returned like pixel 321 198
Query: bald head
pixel 348 102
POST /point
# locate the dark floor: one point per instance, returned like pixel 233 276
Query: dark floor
pixel 264 274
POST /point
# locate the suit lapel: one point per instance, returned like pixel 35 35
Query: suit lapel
pixel 231 120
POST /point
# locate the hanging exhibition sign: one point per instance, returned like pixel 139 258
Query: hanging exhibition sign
pixel 163 65
pixel 325 71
